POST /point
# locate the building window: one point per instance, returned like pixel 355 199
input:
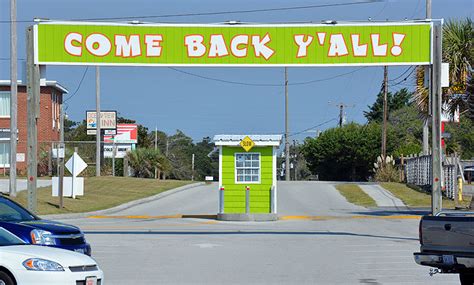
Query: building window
pixel 4 104
pixel 247 167
pixel 4 153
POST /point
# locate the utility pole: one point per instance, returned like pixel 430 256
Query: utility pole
pixel 342 116
pixel 287 144
pixel 385 112
pixel 436 95
pixel 166 154
pixel 97 118
pixel 192 167
pixel 156 147
pixel 33 88
pixel 426 132
pixel 13 97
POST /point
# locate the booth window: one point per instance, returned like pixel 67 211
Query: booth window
pixel 247 167
pixel 4 104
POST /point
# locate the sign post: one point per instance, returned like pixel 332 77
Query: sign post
pixel 75 165
pixel 436 197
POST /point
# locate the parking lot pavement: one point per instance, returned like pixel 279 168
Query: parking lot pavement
pixel 346 245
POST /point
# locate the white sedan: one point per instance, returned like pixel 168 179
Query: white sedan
pixel 25 264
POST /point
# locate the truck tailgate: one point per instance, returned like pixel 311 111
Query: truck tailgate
pixel 451 234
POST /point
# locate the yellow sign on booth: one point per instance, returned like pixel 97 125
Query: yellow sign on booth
pixel 247 143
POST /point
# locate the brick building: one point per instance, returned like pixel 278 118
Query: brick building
pixel 48 122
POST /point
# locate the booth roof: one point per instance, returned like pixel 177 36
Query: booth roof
pixel 260 140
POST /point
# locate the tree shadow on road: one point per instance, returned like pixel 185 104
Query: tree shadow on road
pixel 389 211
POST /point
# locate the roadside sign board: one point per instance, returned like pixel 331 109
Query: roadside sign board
pixel 345 44
pixel 247 143
pixel 125 134
pixel 75 165
pixel 120 150
pixel 108 120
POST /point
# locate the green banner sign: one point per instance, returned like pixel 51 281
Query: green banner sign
pixel 72 43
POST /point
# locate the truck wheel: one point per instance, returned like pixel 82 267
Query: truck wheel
pixel 5 279
pixel 466 279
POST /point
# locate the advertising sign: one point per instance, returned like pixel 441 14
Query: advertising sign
pixel 126 133
pixel 371 43
pixel 120 150
pixel 108 120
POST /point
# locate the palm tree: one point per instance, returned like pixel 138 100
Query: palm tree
pixel 144 161
pixel 458 51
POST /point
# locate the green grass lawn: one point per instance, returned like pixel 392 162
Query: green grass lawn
pixel 414 198
pixel 101 193
pixel 355 195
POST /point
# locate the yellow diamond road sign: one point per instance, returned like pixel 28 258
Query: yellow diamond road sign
pixel 247 143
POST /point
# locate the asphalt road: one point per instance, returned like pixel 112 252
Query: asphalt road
pixel 324 240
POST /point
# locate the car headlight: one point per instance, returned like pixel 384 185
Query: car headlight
pixel 42 237
pixel 38 264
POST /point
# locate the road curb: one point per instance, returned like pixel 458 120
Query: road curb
pixel 123 206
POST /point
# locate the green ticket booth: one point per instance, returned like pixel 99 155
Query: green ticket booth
pixel 247 177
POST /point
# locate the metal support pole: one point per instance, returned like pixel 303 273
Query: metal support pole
pixel 156 147
pixel 247 199
pixel 73 173
pixel 287 143
pixel 385 112
pixel 192 167
pixel 125 166
pixel 273 200
pixel 60 153
pixel 97 118
pixel 426 131
pixel 114 152
pixel 221 200
pixel 13 98
pixel 436 201
pixel 33 90
pixel 428 9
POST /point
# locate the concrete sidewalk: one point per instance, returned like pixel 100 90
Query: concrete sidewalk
pixel 21 184
pixel 382 197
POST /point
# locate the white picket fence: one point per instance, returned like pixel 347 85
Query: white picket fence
pixel 418 172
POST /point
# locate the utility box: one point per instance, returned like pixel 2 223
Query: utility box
pixel 247 177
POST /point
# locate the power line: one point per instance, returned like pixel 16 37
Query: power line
pixel 319 125
pixel 404 79
pixel 223 80
pixel 401 75
pixel 362 2
pixel 264 84
pixel 78 86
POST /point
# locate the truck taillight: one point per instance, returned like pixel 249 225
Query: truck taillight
pixel 420 232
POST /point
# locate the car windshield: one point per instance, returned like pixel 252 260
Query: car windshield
pixel 12 212
pixel 7 238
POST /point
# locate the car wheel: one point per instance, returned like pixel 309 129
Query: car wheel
pixel 466 279
pixel 5 279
